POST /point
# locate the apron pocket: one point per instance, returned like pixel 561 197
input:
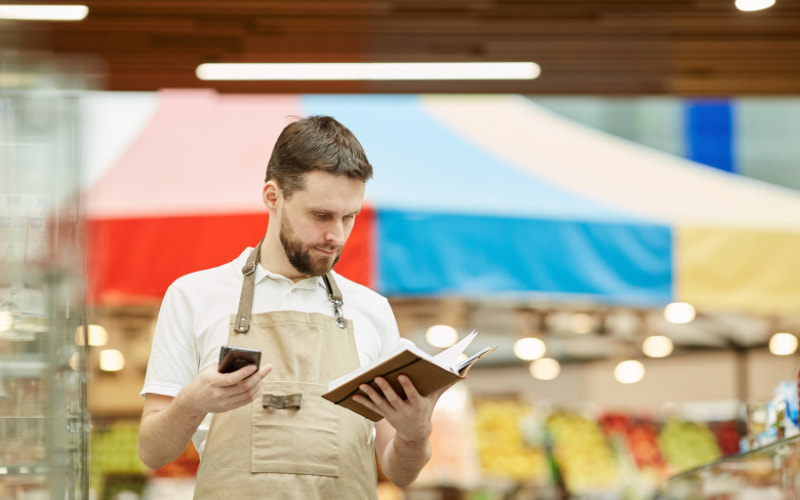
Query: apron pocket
pixel 292 440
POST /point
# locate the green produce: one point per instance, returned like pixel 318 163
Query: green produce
pixel 685 445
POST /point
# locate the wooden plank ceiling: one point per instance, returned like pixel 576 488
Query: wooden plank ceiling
pixel 585 47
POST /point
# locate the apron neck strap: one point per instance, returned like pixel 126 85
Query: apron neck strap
pixel 335 296
pixel 242 324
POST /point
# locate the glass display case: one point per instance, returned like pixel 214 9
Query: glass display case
pixel 44 421
pixel 765 473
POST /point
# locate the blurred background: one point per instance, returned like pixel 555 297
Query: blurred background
pixel 611 196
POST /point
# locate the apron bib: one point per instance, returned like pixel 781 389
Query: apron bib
pixel 290 443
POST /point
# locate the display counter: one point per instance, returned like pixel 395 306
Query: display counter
pixel 765 473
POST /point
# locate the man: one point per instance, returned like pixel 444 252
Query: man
pixel 266 432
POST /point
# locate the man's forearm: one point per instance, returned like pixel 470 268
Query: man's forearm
pixel 403 460
pixel 165 434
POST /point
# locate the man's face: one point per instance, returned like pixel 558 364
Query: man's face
pixel 317 220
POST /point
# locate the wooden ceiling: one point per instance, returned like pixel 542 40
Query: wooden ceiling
pixel 584 47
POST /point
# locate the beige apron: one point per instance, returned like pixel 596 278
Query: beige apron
pixel 291 443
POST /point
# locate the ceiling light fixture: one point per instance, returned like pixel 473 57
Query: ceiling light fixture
pixel 783 344
pixel 751 5
pixel 98 335
pixel 545 369
pixel 441 335
pixel 111 360
pixel 657 346
pixel 529 348
pixel 44 12
pixel 679 313
pixel 369 71
pixel 629 372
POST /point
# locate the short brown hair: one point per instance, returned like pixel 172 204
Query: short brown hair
pixel 316 143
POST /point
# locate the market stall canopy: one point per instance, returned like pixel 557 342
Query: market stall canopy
pixel 473 195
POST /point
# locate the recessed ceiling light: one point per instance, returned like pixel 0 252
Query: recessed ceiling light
pixel 545 368
pixel 679 313
pixel 529 348
pixel 441 335
pixel 783 344
pixel 629 372
pixel 657 346
pixel 369 71
pixel 44 12
pixel 751 5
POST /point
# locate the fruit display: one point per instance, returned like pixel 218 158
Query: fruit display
pixel 687 444
pixel 113 453
pixel 505 448
pixel 582 453
pixel 640 435
pixel 728 436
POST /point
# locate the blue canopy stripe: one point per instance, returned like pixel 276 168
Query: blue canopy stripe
pixel 453 218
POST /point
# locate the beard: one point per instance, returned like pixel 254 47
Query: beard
pixel 299 254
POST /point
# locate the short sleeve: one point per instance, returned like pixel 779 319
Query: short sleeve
pixel 174 359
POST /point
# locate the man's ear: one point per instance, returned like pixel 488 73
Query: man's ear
pixel 270 194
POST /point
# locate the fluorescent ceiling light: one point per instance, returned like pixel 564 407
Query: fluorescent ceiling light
pixel 44 12
pixel 369 71
pixel 751 5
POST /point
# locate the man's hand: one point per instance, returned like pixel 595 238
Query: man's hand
pixel 168 423
pixel 214 392
pixel 402 439
pixel 410 417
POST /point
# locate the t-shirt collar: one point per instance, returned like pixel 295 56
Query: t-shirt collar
pixel 262 273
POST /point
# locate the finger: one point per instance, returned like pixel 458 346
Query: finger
pixel 368 391
pixel 242 373
pixel 265 370
pixel 408 387
pixel 388 391
pixel 374 396
pixel 260 375
pixel 367 403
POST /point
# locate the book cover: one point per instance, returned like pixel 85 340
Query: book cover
pixel 427 373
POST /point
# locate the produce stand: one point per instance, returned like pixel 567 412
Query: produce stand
pixel 768 472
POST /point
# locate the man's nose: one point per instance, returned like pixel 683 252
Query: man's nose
pixel 335 233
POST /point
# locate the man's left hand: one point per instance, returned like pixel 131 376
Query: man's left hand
pixel 410 417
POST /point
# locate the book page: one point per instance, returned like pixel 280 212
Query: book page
pixel 404 345
pixel 450 358
pixel 475 357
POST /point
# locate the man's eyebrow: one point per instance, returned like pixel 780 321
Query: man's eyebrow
pixel 326 211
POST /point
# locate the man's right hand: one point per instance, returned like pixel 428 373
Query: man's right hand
pixel 214 392
pixel 168 423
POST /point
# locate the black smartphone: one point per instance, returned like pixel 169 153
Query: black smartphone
pixel 232 358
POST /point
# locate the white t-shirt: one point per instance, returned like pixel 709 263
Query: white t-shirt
pixel 194 320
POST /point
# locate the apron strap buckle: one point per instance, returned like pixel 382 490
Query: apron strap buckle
pixel 335 297
pixel 282 401
pixel 249 268
pixel 337 310
pixel 242 324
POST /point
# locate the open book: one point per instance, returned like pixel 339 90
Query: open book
pixel 428 373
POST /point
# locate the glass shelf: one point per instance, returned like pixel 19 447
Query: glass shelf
pixel 24 470
pixel 44 420
pixel 771 471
